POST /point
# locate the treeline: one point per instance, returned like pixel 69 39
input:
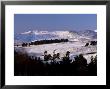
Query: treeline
pixel 45 42
pixel 25 65
pixel 91 43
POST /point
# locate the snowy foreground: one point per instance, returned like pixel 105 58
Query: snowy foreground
pixel 75 48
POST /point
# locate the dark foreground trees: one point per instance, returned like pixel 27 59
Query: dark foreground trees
pixel 25 65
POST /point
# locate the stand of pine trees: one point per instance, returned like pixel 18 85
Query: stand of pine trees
pixel 44 42
pixel 25 65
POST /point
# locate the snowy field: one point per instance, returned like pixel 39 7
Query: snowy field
pixel 75 48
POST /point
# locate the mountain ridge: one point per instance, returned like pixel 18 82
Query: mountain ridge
pixel 43 35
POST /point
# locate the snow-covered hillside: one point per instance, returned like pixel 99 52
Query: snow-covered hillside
pixel 75 46
pixel 42 35
pixel 88 33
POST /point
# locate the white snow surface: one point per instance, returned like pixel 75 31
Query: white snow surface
pixel 75 48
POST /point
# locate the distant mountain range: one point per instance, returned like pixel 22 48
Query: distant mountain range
pixel 89 33
pixel 43 35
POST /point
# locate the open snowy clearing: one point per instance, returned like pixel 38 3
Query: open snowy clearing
pixel 75 48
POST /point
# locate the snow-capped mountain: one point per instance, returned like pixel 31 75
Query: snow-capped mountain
pixel 95 30
pixel 28 32
pixel 42 35
pixel 88 33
